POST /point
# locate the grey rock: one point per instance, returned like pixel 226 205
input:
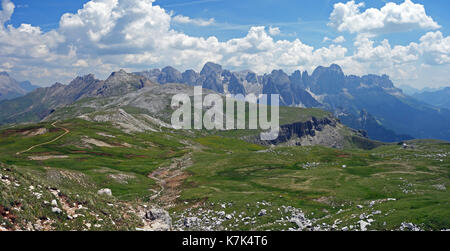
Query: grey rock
pixel 409 227
pixel 157 214
pixel 56 210
pixel 105 191
pixel 440 187
pixel 190 221
pixel 262 212
pixel 363 225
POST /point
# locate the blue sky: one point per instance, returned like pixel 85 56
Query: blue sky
pixel 305 21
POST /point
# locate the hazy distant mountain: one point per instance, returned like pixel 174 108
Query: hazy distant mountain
pixel 408 90
pixel 368 123
pixel 43 101
pixel 411 91
pixel 11 88
pixel 440 98
pixel 28 86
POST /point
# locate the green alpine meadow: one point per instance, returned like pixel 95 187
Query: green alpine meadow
pixel 242 117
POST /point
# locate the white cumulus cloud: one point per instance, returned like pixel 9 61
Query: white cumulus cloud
pixel 435 47
pixel 195 21
pixel 390 18
pixel 106 35
pixel 274 31
pixel 339 39
pixel 6 12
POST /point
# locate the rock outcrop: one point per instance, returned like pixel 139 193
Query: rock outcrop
pixel 156 219
pixel 324 131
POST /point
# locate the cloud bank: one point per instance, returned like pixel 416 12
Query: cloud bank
pixel 106 35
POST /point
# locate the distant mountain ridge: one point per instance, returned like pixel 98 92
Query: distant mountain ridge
pixel 439 98
pixel 371 103
pixel 391 115
pixel 11 88
pixel 40 103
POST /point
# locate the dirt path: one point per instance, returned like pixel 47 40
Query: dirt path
pixel 169 179
pixel 66 131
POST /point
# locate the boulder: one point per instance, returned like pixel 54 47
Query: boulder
pixel 363 225
pixel 262 212
pixel 158 220
pixel 105 191
pixel 56 210
pixel 157 214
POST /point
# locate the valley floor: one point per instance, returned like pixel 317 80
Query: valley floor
pixel 79 175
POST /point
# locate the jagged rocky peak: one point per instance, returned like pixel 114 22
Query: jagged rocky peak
pixel 122 76
pixel 211 68
pixel 57 85
pixel 152 74
pixel 279 77
pixel 85 78
pixel 251 77
pixel 119 76
pixel 327 80
pixel 121 82
pixel 170 75
pixel 382 81
pixel 334 69
pixel 235 85
pixel 226 74
pixel 296 78
pixel 4 73
pixel 119 73
pixel 170 69
pixel 190 77
pixel 83 86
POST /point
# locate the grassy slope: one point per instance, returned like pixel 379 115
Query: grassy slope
pixel 147 153
pixel 27 202
pixel 228 169
pixel 245 176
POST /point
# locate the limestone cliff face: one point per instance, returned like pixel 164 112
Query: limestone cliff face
pixel 326 131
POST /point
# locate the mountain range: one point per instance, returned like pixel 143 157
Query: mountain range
pixel 41 102
pixel 11 88
pixel 409 90
pixel 370 103
pixel 438 98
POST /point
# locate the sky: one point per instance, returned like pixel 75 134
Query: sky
pixel 50 41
